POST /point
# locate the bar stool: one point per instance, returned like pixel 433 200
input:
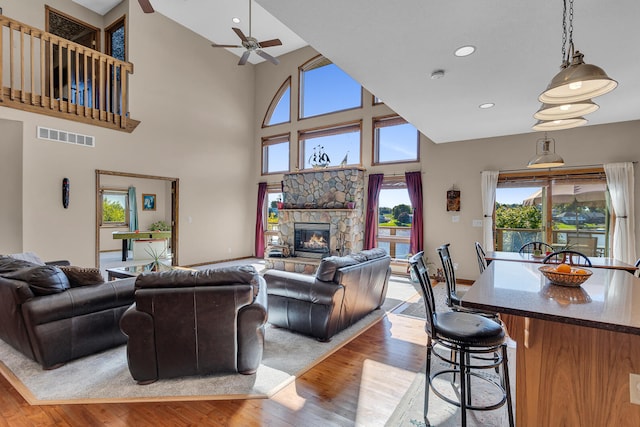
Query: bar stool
pixel 465 334
pixel 481 255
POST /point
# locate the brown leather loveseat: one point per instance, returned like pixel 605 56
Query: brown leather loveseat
pixel 196 323
pixel 343 291
pixel 52 318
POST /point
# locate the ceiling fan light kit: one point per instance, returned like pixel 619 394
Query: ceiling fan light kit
pixel 251 44
pixel 568 96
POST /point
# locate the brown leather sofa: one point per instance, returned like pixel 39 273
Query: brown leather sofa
pixel 343 291
pixel 53 320
pixel 196 323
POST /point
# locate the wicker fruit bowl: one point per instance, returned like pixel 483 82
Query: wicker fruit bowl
pixel 574 278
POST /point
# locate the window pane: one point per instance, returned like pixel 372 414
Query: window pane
pixel 337 147
pixel 272 212
pixel 394 221
pixel 397 143
pixel 281 114
pixel 327 89
pixel 114 207
pixel 275 158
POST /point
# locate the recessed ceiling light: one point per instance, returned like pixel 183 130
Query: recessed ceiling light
pixel 465 50
pixel 486 105
pixel 235 20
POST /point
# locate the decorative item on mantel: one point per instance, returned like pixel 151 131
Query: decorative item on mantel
pixel 350 203
pixel 319 159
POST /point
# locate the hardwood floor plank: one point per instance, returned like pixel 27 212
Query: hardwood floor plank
pixel 361 384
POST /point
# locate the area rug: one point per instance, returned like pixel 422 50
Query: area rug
pixel 105 377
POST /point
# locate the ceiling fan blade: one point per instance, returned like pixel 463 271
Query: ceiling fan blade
pixel 268 57
pixel 240 34
pixel 269 43
pixel 244 58
pixel 225 45
pixel 146 6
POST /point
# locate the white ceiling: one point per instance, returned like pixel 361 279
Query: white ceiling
pixel 392 47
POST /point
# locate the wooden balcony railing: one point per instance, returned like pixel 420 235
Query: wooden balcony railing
pixel 46 74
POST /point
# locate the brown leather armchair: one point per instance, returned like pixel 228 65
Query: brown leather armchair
pixel 343 291
pixel 195 323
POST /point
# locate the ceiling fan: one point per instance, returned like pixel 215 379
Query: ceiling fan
pixel 251 44
pixel 146 6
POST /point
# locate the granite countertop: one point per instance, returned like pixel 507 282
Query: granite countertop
pixel 606 300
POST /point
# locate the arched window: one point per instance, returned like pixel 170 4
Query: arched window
pixel 280 108
pixel 325 88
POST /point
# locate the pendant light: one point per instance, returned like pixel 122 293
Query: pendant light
pixel 576 81
pixel 546 157
pixel 559 124
pixel 565 111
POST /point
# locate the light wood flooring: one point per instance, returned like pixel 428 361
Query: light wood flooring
pixel 360 384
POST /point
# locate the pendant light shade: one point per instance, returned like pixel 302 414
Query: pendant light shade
pixel 546 156
pixel 577 82
pixel 559 124
pixel 565 111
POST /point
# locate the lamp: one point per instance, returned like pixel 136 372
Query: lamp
pixel 576 81
pixel 565 111
pixel 545 158
pixel 559 124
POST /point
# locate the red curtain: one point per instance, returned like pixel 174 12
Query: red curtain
pixel 371 218
pixel 262 192
pixel 414 187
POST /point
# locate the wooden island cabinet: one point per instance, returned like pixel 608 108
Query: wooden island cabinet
pixel 575 346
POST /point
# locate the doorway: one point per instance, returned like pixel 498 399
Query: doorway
pixel 173 208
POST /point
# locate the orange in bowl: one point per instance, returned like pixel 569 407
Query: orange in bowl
pixel 563 268
pixel 580 271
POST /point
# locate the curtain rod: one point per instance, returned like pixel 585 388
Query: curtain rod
pixel 533 170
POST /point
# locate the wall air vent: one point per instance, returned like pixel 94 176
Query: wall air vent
pixel 66 137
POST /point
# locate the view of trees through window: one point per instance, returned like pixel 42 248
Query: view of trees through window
pixel 395 215
pixel 576 211
pixel 114 207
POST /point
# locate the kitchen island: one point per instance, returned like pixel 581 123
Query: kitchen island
pixel 575 346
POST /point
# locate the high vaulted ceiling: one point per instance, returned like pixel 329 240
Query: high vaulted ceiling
pixel 392 48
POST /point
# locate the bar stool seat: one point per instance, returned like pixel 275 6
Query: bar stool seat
pixel 467 339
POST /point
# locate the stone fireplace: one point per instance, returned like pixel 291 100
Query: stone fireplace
pixel 332 197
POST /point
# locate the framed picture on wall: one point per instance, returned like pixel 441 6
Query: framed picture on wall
pixel 148 202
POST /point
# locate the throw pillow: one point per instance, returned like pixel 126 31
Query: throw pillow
pixel 42 279
pixel 82 276
pixel 28 256
pixel 9 264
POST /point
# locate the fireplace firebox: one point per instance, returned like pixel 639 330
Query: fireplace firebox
pixel 312 239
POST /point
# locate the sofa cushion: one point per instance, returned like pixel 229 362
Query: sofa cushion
pixel 329 265
pixel 374 253
pixel 42 279
pixel 82 276
pixel 9 264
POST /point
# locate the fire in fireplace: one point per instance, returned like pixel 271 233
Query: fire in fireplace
pixel 311 239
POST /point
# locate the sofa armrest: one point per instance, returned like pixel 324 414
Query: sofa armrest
pixel 79 301
pixel 141 346
pixel 301 287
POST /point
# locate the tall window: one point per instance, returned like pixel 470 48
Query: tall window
pixel 336 146
pixel 273 200
pixel 394 217
pixel 325 88
pixel 116 40
pixel 394 141
pixel 279 110
pixel 566 209
pixel 115 206
pixel 275 154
